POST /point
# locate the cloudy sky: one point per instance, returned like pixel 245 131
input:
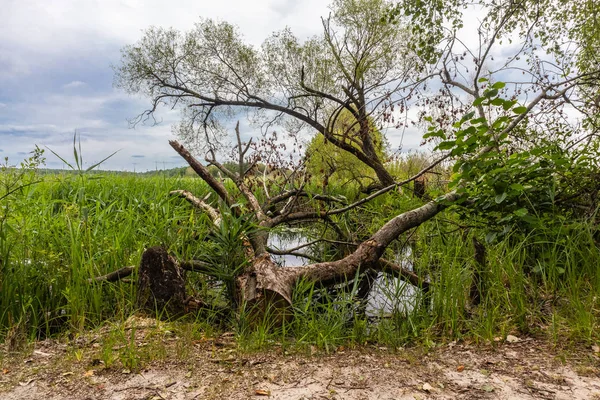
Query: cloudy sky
pixel 56 76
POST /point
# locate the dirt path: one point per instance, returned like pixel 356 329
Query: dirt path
pixel 522 370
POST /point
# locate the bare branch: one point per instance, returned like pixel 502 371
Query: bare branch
pixel 306 215
pixel 203 172
pixel 115 275
pixel 278 252
pixel 213 213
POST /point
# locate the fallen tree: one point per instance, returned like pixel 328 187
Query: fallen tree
pixel 486 130
pixel 264 281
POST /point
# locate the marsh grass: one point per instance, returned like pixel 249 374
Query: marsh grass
pixel 67 229
pixel 558 301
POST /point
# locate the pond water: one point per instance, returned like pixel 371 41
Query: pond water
pixel 287 240
pixel 388 295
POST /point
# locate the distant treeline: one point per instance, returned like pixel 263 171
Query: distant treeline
pixel 172 172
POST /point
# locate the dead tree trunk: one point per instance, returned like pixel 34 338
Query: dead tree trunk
pixel 266 288
pixel 477 290
pixel 265 284
pixel 161 283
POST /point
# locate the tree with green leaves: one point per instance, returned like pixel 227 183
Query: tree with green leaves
pixel 492 102
pixel 531 78
pixel 357 65
pixel 325 161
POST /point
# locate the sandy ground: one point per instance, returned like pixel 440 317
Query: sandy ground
pixel 215 369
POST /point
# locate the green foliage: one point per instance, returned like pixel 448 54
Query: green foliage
pixel 327 161
pixel 224 252
pixel 67 229
pixel 564 27
pixel 172 172
pixel 14 180
pixel 427 20
pixel 14 183
pixel 509 186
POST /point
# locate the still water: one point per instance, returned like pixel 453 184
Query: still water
pixel 388 295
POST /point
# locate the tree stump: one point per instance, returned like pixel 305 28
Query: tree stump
pixel 161 283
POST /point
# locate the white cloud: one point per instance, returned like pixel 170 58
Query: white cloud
pixel 15 128
pixel 74 85
pixel 56 27
pixel 66 34
pixel 63 39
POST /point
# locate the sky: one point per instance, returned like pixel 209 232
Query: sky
pixel 56 76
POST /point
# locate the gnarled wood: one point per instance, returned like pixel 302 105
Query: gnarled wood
pixel 161 283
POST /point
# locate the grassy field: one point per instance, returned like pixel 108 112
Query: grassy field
pixel 58 233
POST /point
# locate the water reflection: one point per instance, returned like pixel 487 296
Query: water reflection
pixel 289 239
pixel 388 295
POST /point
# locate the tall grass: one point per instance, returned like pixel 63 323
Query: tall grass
pixel 67 229
pixel 543 284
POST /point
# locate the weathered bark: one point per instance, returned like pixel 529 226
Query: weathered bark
pixel 161 283
pixel 477 289
pixel 202 172
pixel 266 289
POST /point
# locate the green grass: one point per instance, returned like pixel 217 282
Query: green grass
pixel 68 229
pixel 57 234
